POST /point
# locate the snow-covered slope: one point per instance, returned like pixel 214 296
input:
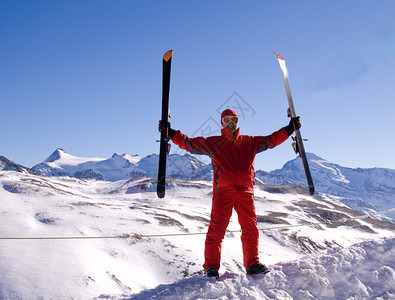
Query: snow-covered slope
pixel 362 271
pixel 8 165
pixel 114 252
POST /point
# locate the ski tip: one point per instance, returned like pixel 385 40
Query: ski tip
pixel 279 56
pixel 167 55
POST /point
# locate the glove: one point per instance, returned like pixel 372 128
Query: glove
pixel 294 123
pixel 170 131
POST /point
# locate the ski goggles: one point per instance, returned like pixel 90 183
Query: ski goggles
pixel 229 119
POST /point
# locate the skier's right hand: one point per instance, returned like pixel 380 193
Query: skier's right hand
pixel 162 126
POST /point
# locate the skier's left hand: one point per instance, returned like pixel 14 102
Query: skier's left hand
pixel 294 124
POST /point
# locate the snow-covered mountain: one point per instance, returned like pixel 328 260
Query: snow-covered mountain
pixel 360 189
pixel 365 190
pixel 118 167
pixel 120 243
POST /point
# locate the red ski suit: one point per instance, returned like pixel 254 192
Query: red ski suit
pixel 233 158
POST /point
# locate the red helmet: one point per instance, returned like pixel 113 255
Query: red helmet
pixel 228 112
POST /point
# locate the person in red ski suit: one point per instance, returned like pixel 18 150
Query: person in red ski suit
pixel 233 158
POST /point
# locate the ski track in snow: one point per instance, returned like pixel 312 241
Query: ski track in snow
pixel 363 271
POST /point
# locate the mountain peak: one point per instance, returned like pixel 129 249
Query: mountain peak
pixel 61 158
pixel 57 154
pixel 313 156
pixel 134 159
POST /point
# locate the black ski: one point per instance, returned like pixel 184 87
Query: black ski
pixel 299 147
pixel 164 145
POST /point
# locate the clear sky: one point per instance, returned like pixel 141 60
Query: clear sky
pixel 85 76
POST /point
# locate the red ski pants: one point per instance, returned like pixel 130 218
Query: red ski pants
pixel 221 211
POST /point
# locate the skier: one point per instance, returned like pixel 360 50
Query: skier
pixel 233 158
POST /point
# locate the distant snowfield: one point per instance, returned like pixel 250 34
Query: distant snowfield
pixel 347 257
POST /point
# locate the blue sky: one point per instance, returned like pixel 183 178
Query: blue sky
pixel 85 76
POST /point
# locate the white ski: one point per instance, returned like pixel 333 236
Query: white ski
pixel 299 141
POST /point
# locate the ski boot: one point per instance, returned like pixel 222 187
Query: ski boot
pixel 257 268
pixel 212 273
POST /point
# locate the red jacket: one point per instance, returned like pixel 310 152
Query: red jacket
pixel 232 155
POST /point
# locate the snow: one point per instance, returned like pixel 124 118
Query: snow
pixel 346 260
pixel 335 171
pixel 365 270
